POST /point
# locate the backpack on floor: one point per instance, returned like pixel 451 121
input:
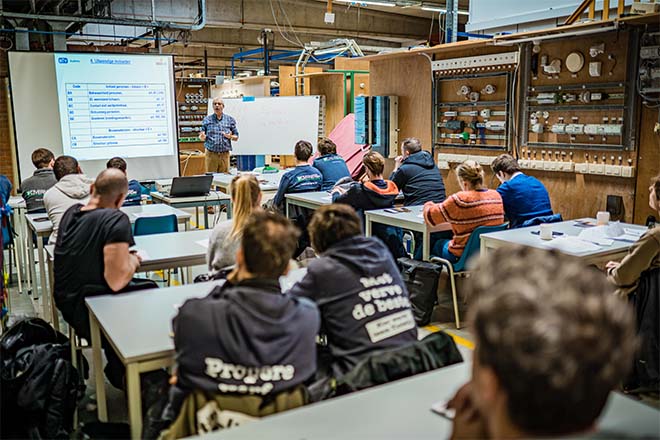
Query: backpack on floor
pixel 421 279
pixel 40 386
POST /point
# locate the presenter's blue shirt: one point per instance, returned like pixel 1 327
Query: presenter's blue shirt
pixel 214 127
pixel 304 178
pixel 524 198
pixel 332 167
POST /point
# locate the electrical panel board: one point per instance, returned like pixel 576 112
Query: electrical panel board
pixel 376 123
pixel 192 104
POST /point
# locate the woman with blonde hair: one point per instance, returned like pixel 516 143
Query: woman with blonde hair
pixel 475 205
pixel 226 236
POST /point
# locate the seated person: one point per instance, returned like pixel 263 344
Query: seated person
pixel 473 206
pixel 247 345
pixel 135 190
pixel 331 165
pixel 94 237
pixel 551 342
pixel 303 178
pixel 33 188
pixel 351 266
pixel 643 255
pixel 226 236
pixel 524 196
pixel 375 193
pixel 72 187
pixel 417 176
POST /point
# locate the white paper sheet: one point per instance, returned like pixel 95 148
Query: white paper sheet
pixel 596 235
pixel 572 245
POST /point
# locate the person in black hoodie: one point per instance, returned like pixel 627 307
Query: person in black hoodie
pixel 246 337
pixel 376 193
pixel 416 174
pixel 357 286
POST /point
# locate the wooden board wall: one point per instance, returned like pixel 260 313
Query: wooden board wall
pixel 408 78
pixel 573 195
pixel 288 83
pixel 648 163
pixel 344 63
pixel 330 85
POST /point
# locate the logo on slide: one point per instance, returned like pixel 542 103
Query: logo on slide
pixel 62 60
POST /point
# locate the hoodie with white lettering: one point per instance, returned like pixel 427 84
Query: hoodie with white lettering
pixel 246 338
pixel 363 301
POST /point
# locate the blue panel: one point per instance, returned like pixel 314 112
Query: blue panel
pixel 361 106
pixel 381 125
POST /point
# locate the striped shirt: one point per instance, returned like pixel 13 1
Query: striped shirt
pixel 214 127
pixel 465 211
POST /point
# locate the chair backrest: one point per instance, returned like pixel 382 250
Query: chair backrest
pixel 155 225
pixel 474 244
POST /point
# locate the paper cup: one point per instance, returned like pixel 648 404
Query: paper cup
pixel 602 218
pixel 546 231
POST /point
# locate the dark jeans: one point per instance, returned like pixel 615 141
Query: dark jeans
pixel 435 237
pixel 75 313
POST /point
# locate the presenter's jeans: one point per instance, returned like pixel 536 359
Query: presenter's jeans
pixel 217 162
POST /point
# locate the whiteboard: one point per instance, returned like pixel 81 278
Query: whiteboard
pixel 272 125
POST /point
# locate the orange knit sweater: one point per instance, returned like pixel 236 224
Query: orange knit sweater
pixel 466 210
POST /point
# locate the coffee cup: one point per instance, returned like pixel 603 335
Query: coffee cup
pixel 602 217
pixel 546 231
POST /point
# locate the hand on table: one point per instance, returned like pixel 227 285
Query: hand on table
pixel 468 422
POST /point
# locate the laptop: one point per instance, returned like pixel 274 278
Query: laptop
pixel 190 186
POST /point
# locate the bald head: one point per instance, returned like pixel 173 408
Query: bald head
pixel 110 185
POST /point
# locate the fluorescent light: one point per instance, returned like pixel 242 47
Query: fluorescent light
pixel 367 2
pixel 437 9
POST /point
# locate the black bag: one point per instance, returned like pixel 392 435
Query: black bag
pixel 40 386
pixel 421 279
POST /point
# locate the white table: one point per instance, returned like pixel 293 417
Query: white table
pixel 164 251
pixel 401 410
pixel 268 182
pixel 412 221
pixel 214 198
pixel 169 251
pixel 524 236
pixel 42 227
pixel 138 325
pixel 312 200
pixel 19 208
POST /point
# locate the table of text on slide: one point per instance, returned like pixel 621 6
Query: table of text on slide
pixel 116 115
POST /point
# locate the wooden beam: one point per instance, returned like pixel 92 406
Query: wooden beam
pixel 575 16
pixel 592 10
pixel 606 9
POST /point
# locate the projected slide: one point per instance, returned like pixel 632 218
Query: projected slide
pixel 115 105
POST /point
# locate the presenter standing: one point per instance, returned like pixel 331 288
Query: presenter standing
pixel 218 131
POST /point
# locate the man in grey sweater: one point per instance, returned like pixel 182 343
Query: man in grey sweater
pixel 72 187
pixel 34 187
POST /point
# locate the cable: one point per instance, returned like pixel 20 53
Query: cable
pixel 431 28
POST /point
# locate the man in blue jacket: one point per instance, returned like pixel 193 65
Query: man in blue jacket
pixel 524 197
pixel 331 165
pixel 416 174
pixel 303 178
pixel 356 284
